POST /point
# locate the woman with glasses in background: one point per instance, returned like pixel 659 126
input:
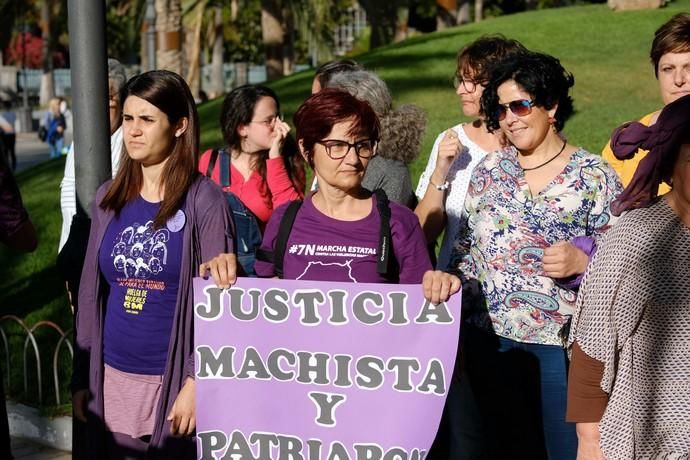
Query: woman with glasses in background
pixel 259 169
pixel 443 185
pixel 533 211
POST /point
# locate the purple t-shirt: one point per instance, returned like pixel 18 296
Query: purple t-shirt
pixel 142 268
pixel 321 248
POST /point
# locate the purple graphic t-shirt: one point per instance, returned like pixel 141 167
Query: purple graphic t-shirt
pixel 321 248
pixel 142 268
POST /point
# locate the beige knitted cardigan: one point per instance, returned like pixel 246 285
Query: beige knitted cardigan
pixel 633 315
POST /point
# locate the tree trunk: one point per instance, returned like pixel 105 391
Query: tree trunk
pixel 464 12
pixel 47 91
pixel 193 50
pixel 169 29
pixel 446 13
pixel 401 24
pixel 217 86
pixel 478 10
pixel 382 18
pixel 273 36
pixel 289 42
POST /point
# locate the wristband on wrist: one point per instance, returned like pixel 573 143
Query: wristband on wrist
pixel 442 187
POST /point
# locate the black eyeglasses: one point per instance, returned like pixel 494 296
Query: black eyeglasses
pixel 520 108
pixel 467 83
pixel 337 149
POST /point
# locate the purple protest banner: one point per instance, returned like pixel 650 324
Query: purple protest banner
pixel 306 370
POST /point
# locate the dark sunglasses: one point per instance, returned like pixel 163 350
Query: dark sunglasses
pixel 520 108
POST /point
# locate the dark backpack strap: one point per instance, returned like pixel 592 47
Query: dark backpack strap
pixel 224 171
pixel 386 262
pixel 277 256
pixel 212 163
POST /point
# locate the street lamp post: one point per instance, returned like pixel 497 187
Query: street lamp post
pixel 89 71
pixel 150 17
pixel 24 113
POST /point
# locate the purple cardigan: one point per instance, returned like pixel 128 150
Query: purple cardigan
pixel 208 231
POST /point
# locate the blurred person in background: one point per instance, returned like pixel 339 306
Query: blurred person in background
pixel 55 125
pixel 328 70
pixel 402 131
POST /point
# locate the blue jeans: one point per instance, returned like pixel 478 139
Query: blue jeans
pixel 55 147
pixel 509 401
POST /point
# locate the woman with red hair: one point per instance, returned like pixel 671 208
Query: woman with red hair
pixel 343 232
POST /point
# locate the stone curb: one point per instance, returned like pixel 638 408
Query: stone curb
pixel 26 422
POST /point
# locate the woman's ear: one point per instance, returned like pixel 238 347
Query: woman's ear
pixel 242 130
pixel 302 152
pixel 552 112
pixel 181 126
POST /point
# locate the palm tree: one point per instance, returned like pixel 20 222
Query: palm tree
pixel 215 36
pixel 169 31
pixel 273 35
pixel 383 18
pixel 47 91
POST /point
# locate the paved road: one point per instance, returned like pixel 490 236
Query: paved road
pixel 25 450
pixel 30 151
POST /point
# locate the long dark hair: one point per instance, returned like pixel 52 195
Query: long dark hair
pixel 171 95
pixel 237 110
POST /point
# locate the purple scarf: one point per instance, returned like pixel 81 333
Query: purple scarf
pixel 663 140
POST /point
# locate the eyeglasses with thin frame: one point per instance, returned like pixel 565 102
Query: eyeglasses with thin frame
pixel 337 149
pixel 467 83
pixel 519 107
pixel 270 121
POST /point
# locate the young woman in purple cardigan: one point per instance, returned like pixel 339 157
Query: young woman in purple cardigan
pixel 151 227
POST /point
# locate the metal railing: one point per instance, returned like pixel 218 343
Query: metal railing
pixel 31 343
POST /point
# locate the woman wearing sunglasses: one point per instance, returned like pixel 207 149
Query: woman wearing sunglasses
pixel 529 206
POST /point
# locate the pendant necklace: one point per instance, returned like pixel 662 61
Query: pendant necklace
pixel 547 161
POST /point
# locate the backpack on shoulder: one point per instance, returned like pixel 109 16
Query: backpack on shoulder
pixel 247 230
pixel 386 263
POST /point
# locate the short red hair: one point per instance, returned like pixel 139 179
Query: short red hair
pixel 320 112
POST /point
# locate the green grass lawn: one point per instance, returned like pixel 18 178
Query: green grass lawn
pixel 607 52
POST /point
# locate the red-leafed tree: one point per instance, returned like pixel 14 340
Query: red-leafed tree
pixel 14 54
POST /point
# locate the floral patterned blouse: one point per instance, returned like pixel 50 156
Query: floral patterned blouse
pixel 499 252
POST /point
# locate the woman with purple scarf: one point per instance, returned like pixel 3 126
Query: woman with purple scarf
pixel 629 384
